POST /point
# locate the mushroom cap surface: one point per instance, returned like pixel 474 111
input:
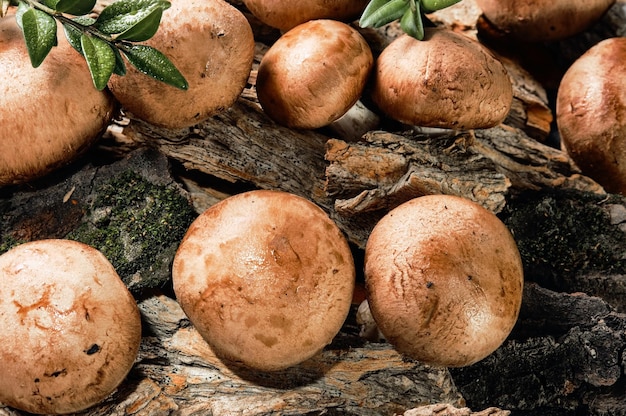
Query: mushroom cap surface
pixel 313 74
pixel 266 278
pixel 541 20
pixel 70 328
pixel 285 15
pixel 446 80
pixel 51 114
pixel 212 45
pixel 444 280
pixel 591 113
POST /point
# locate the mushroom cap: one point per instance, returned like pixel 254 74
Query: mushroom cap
pixel 444 280
pixel 313 74
pixel 266 277
pixel 70 328
pixel 546 20
pixel 212 45
pixel 51 114
pixel 591 113
pixel 285 14
pixel 446 80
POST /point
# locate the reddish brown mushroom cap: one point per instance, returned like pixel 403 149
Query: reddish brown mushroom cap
pixel 446 80
pixel 266 277
pixel 444 280
pixel 285 14
pixel 313 74
pixel 70 327
pixel 212 45
pixel 591 113
pixel 50 114
pixel 547 20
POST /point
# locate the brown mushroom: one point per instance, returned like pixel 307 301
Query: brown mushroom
pixel 50 114
pixel 70 327
pixel 547 20
pixel 591 113
pixel 286 14
pixel 212 45
pixel 313 74
pixel 446 81
pixel 266 277
pixel 444 280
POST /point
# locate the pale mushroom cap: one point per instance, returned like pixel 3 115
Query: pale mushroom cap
pixel 50 114
pixel 543 20
pixel 444 280
pixel 591 113
pixel 266 278
pixel 313 74
pixel 285 15
pixel 446 80
pixel 212 45
pixel 70 328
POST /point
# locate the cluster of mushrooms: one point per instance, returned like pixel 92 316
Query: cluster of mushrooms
pixel 443 275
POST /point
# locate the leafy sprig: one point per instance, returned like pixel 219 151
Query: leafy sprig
pixel 410 13
pixel 101 40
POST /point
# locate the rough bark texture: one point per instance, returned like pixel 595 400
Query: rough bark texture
pixel 566 355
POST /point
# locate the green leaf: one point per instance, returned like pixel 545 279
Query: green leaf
pixel 121 16
pixel 40 33
pixel 411 22
pixel 144 29
pixel 74 7
pixel 429 6
pixel 153 63
pixel 73 34
pixel 100 58
pixel 120 66
pixel 385 13
pixel 371 7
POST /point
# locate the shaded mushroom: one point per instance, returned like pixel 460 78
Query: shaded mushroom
pixel 50 114
pixel 266 277
pixel 591 113
pixel 212 45
pixel 313 74
pixel 70 327
pixel 546 20
pixel 286 14
pixel 444 280
pixel 446 81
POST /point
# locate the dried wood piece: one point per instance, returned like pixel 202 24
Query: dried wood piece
pixel 483 165
pixel 132 210
pixel 242 145
pixel 575 368
pixel 389 169
pixel 572 241
pixel 448 410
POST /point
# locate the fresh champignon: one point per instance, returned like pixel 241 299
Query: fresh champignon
pixel 266 277
pixel 313 74
pixel 286 14
pixel 70 328
pixel 212 45
pixel 51 114
pixel 547 20
pixel 446 80
pixel 444 280
pixel 591 113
